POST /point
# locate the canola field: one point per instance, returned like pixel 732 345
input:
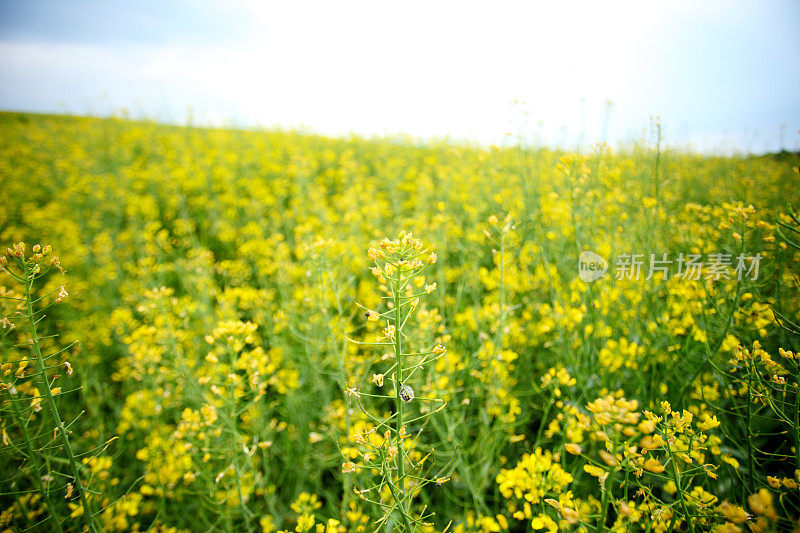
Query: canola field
pixel 228 330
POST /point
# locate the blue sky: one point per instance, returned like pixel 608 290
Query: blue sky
pixel 722 75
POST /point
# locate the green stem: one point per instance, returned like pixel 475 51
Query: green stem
pixel 749 435
pixel 44 390
pixel 235 442
pixel 796 424
pixel 656 173
pixel 341 355
pixel 398 383
pixel 601 526
pixel 679 488
pixel 37 477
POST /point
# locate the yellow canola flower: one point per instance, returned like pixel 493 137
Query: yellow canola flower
pixel 573 448
pixel 593 470
pixel 653 465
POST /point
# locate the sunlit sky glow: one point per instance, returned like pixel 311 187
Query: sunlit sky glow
pixel 723 75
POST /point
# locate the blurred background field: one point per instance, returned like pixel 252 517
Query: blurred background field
pixel 176 240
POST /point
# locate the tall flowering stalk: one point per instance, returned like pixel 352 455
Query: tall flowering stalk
pixel 388 448
pixel 40 446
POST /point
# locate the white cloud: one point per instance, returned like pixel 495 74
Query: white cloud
pixel 423 68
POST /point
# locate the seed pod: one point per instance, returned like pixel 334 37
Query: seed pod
pixel 406 393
